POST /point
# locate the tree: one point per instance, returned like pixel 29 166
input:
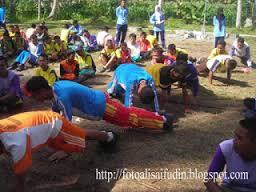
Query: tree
pixel 160 2
pixel 39 10
pixel 54 7
pixel 238 13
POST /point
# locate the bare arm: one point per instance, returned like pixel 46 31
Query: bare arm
pixel 210 77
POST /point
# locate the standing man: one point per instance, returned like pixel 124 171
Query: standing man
pixel 122 21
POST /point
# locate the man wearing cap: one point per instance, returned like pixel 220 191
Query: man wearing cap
pixel 70 98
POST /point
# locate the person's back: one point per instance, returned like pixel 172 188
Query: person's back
pixel 71 94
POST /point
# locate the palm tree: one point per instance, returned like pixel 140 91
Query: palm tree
pixel 238 13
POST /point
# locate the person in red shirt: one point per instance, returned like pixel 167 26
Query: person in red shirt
pixel 144 45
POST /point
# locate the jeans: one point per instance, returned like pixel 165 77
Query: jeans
pixel 121 31
pixel 162 34
pixel 218 39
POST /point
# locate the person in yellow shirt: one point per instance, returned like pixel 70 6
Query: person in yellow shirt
pixel 173 51
pixel 108 56
pixel 11 31
pixel 219 50
pixel 49 49
pixel 65 32
pixel 152 39
pixel 45 71
pixel 86 64
pixel 60 47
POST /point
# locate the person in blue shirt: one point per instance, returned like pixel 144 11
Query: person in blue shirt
pixel 219 23
pixel 2 15
pixel 76 28
pixel 122 22
pixel 70 98
pixel 157 20
pixel 130 79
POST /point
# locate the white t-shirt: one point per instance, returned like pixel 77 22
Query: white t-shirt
pixel 29 32
pixel 214 63
pixel 101 37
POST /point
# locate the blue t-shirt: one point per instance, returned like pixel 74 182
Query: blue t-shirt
pixel 68 95
pixel 122 15
pixel 127 78
pixel 154 19
pixel 2 14
pixel 217 31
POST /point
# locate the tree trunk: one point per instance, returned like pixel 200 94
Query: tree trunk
pixel 54 7
pixel 160 2
pixel 238 14
pixel 13 8
pixel 39 10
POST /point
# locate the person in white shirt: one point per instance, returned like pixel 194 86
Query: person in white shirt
pixel 30 31
pixel 241 50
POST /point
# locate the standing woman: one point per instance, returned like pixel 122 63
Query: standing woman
pixel 157 20
pixel 219 22
pixel 122 21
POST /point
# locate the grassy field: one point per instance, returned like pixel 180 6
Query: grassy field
pixel 190 146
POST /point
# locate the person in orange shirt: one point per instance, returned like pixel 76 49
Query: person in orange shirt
pixel 144 45
pixel 69 68
pixel 23 134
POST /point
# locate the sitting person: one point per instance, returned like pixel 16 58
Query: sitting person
pixel 76 42
pixel 158 57
pixel 89 41
pixel 49 49
pixel 101 36
pixel 134 47
pixel 219 50
pixel 30 31
pixel 24 134
pixel 152 39
pixel 60 47
pixel 241 50
pixel 165 75
pixel 45 71
pixel 64 34
pixel 221 63
pixel 108 56
pixel 123 54
pixel 76 28
pixel 144 46
pixel 40 33
pixel 86 64
pixel 71 98
pixel 132 79
pixel 236 156
pixel 11 31
pixel 10 92
pixel 173 51
pixel 19 43
pixel 250 111
pixel 29 56
pixel 7 46
pixel 69 68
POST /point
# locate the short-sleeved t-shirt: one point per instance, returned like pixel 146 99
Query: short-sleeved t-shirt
pixel 218 63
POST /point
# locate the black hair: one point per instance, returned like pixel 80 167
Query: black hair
pixel 56 37
pixel 250 125
pixel 157 49
pixel 147 95
pixel 250 103
pixel 33 25
pixel 231 64
pixel 172 46
pixel 143 34
pixel 36 83
pixel 221 42
pixel 105 28
pixel 240 39
pixel 181 68
pixel 33 36
pixel 75 22
pixel 132 35
pixel 182 57
pixel 66 26
pixel 44 56
pixel 151 32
